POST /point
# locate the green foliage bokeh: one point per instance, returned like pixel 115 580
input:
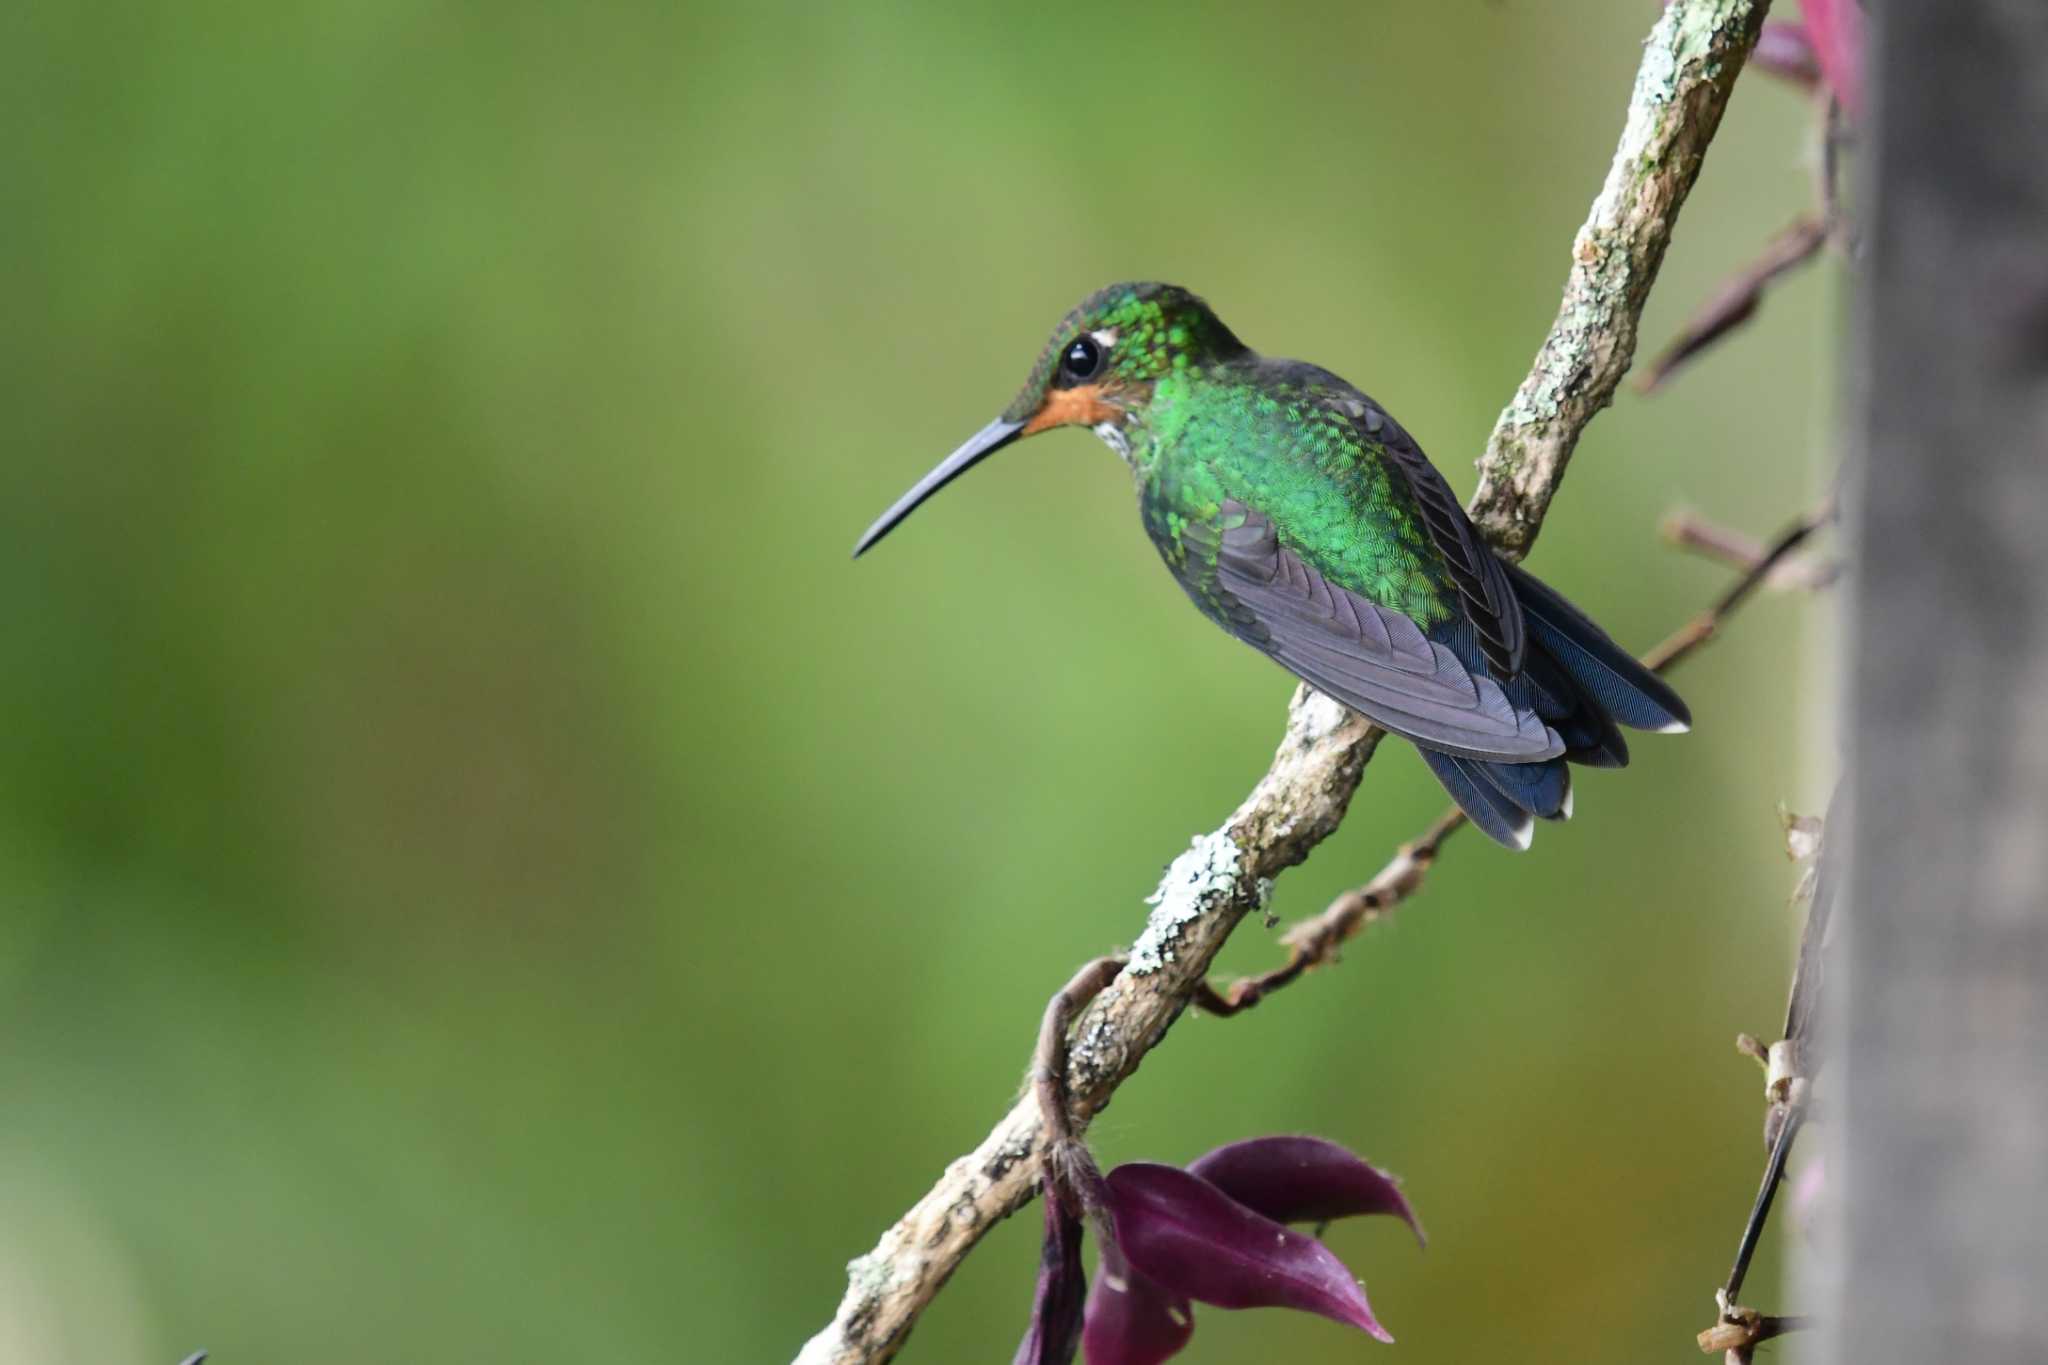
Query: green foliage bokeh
pixel 483 877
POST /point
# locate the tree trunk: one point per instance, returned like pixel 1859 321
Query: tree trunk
pixel 1938 1107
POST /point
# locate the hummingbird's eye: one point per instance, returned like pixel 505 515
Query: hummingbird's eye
pixel 1082 360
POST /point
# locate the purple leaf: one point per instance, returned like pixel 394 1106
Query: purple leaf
pixel 1836 28
pixel 1303 1180
pixel 1131 1320
pixel 1195 1240
pixel 1786 50
pixel 1055 1329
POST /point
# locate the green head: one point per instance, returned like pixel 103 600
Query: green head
pixel 1098 370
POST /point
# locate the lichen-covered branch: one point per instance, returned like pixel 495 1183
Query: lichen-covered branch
pixel 1690 62
pixel 1688 68
pixel 1316 940
pixel 1221 878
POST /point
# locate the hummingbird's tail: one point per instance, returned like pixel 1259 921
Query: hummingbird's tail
pixel 1480 789
pixel 1584 686
pixel 1611 678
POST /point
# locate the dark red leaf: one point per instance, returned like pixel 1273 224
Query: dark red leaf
pixel 1303 1180
pixel 1131 1320
pixel 1055 1330
pixel 1195 1240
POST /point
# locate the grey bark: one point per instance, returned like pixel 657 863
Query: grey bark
pixel 1939 1155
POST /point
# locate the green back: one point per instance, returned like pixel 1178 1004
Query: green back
pixel 1294 443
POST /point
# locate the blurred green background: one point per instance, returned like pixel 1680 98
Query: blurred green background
pixel 483 877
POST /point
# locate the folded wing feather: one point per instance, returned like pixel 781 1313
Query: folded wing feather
pixel 1374 660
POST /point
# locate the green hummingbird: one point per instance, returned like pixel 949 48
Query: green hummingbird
pixel 1306 522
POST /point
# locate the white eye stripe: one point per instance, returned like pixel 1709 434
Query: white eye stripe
pixel 1105 338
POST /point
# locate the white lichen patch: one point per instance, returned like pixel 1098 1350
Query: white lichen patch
pixel 1200 879
pixel 872 1274
pixel 1320 715
pixel 871 1280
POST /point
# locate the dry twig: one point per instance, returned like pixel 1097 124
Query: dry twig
pixel 1799 573
pixel 1798 243
pixel 1049 1063
pixel 1789 1065
pixel 1747 1330
pixel 1737 299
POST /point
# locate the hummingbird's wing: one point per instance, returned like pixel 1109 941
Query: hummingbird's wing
pixel 1374 660
pixel 1482 579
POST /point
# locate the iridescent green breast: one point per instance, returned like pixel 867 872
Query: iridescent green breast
pixel 1301 453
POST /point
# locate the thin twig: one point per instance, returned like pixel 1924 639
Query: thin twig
pixel 1836 136
pixel 1049 1063
pixel 1738 298
pixel 1316 940
pixel 1798 243
pixel 1725 545
pixel 1689 67
pixel 1789 1065
pixel 1760 1211
pixel 1681 644
pixel 1802 1004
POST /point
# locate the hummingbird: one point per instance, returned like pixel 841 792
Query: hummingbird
pixel 1305 521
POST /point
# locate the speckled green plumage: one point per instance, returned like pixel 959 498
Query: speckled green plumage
pixel 1282 444
pixel 1218 423
pixel 1157 335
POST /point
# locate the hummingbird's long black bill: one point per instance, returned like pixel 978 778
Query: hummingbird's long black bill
pixel 979 447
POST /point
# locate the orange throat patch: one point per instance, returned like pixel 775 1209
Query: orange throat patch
pixel 1084 405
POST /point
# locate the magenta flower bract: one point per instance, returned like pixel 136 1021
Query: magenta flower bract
pixel 1213 1233
pixel 1303 1180
pixel 1835 28
pixel 1131 1320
